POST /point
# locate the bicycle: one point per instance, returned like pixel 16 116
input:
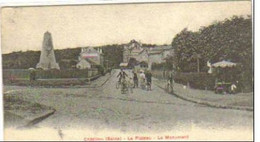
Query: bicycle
pixel 130 85
pixel 124 87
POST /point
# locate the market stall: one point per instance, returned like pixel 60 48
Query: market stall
pixel 226 76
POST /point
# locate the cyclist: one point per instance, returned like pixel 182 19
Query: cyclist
pixel 122 75
pixel 122 80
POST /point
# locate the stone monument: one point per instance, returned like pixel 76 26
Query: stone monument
pixel 47 58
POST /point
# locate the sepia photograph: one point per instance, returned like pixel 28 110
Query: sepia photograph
pixel 140 71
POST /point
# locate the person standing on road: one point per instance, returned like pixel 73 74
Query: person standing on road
pixel 170 78
pixel 142 78
pixel 170 81
pixel 135 79
pixel 148 77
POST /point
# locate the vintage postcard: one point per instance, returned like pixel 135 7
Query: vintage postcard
pixel 151 71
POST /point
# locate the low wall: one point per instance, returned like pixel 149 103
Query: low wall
pixel 24 74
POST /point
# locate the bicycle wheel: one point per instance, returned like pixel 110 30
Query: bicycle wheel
pixel 166 88
pixel 123 88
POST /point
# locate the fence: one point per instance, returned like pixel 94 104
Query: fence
pixel 12 74
pixel 24 74
pixel 159 74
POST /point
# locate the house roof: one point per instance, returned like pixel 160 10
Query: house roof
pixel 155 52
pixel 89 50
pixel 137 46
pixel 92 62
pixel 160 48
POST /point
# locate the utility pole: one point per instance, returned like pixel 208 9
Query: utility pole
pixel 197 56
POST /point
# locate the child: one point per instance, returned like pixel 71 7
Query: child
pixel 233 88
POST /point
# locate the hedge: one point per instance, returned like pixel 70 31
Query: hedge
pixel 196 80
pixel 61 74
pixel 161 66
pixel 14 74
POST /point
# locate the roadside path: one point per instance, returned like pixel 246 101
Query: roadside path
pixel 240 101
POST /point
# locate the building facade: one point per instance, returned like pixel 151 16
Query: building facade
pixel 90 57
pixel 148 55
pixel 132 50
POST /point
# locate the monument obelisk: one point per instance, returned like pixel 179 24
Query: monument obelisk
pixel 47 58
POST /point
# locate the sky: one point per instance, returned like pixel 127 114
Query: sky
pixel 96 25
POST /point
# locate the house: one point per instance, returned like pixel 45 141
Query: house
pixel 83 64
pixel 134 51
pixel 89 58
pixel 158 54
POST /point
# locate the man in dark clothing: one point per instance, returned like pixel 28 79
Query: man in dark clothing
pixel 135 78
pixel 170 78
pixel 148 77
pixel 170 81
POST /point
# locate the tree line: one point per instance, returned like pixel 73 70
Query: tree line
pixel 229 40
pixel 67 58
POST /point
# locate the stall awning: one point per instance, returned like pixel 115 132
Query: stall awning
pixel 123 64
pixel 224 64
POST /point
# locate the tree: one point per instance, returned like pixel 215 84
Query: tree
pixel 113 53
pixel 230 39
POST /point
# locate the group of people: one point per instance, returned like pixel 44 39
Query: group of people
pixel 145 78
pixel 223 87
pixel 133 81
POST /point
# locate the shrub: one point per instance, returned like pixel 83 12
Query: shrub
pixel 101 70
pixel 61 74
pixel 196 80
pixel 161 66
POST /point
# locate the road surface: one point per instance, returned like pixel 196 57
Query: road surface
pixel 105 108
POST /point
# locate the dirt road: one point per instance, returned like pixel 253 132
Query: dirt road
pixel 140 112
